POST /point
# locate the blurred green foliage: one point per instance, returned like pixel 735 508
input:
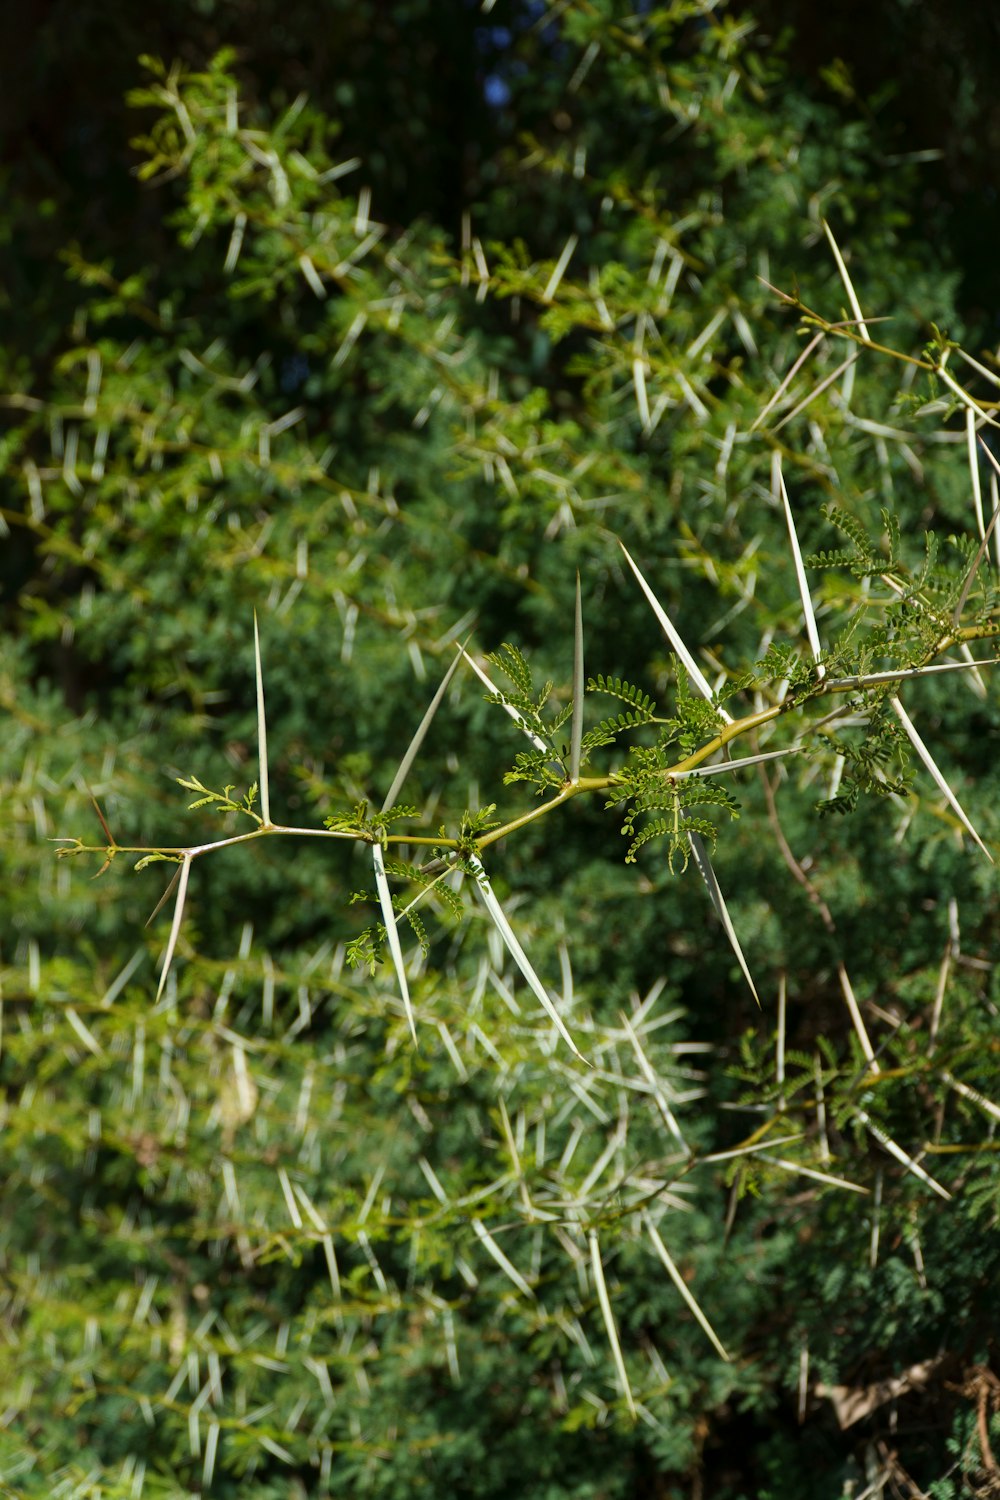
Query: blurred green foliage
pixel 253 1242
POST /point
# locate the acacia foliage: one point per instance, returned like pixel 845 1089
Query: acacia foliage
pixel 252 1236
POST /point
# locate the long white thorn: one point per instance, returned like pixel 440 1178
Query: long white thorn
pixel 492 1249
pixel 690 665
pixel 559 270
pixel 904 674
pixel 518 954
pixel 854 1011
pixel 576 728
pixel 778 486
pixel 827 1177
pixel 776 397
pixel 817 390
pixel 682 1286
pixel 928 760
pixel 738 765
pixel 977 488
pixel 418 738
pixel 265 794
pixel 718 901
pixel 852 295
pixel 964 396
pixel 392 933
pixel 539 744
pixel 609 1321
pixel 900 1155
pixel 175 926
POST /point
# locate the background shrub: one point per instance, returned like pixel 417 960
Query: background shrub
pixel 256 1242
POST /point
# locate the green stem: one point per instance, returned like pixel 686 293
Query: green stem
pixel 571 789
pixel 818 689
